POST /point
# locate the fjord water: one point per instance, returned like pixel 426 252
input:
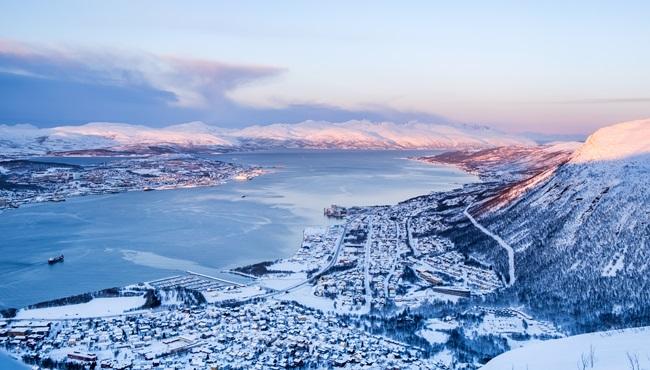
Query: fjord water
pixel 119 239
pixel 9 363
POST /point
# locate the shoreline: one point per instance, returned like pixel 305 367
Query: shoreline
pixel 300 286
pixel 133 179
pixel 264 171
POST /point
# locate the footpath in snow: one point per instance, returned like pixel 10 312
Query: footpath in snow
pixel 502 243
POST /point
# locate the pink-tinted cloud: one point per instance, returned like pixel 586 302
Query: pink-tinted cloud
pixel 47 85
pixel 194 83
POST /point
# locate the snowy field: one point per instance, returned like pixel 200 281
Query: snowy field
pixel 221 295
pixel 612 350
pixel 98 307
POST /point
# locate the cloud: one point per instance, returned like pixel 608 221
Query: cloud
pixel 606 101
pixel 49 86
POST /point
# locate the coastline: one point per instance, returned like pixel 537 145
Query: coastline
pixel 144 174
pixel 293 288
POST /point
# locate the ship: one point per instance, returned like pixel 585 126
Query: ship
pixel 53 260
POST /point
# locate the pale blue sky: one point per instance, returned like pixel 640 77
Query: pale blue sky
pixel 546 66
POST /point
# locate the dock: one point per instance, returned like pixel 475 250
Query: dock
pixel 193 281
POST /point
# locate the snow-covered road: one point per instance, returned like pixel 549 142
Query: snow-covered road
pixel 332 262
pixel 366 266
pixel 502 243
pixel 393 264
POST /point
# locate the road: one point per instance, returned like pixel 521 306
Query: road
pixel 394 264
pixel 331 263
pixel 411 241
pixel 502 243
pixel 366 265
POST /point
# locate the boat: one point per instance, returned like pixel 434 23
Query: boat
pixel 53 260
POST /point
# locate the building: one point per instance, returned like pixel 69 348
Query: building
pixel 79 356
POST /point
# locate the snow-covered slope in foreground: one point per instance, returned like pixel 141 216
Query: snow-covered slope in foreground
pixel 612 350
pixel 27 139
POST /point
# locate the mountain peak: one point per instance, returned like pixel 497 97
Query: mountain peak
pixel 626 140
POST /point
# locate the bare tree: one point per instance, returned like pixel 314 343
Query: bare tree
pixel 633 361
pixel 587 360
pixel 583 362
pixel 592 356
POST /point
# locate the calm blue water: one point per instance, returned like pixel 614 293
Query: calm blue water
pixel 8 363
pixel 119 239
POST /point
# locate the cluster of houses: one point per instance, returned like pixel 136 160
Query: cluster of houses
pixel 382 243
pixel 317 247
pixel 510 322
pixel 456 269
pixel 264 335
pixel 345 281
pixel 386 258
pixel 29 182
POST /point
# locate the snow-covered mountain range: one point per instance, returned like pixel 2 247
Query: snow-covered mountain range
pixel 581 231
pixel 27 139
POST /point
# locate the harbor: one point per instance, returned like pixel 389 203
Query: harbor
pixel 193 281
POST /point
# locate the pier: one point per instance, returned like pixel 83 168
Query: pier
pixel 193 281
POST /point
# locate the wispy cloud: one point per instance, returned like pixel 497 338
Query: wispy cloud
pixel 606 101
pixel 47 86
pixel 193 83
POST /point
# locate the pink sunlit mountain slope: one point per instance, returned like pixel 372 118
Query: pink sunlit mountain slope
pixel 28 139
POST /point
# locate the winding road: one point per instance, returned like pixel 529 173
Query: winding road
pixel 502 243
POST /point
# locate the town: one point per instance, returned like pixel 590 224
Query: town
pixel 314 309
pixel 262 335
pixel 31 181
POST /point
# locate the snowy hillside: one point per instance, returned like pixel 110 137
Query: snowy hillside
pixel 27 139
pixel 508 163
pixel 581 233
pixel 189 134
pixel 622 349
pixel 626 141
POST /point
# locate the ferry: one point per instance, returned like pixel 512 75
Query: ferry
pixel 53 260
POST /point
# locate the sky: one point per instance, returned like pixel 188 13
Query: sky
pixel 553 67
